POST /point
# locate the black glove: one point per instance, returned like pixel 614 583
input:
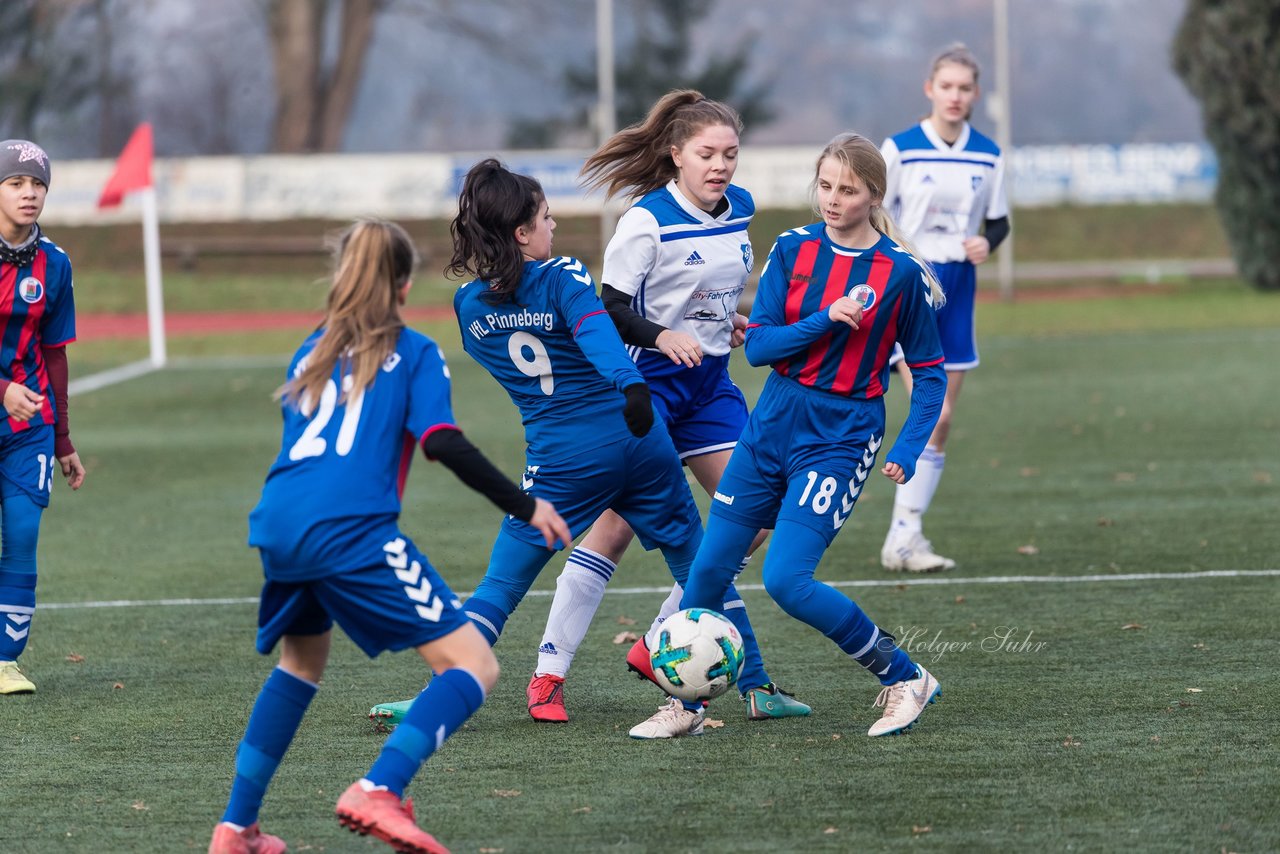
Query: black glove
pixel 638 410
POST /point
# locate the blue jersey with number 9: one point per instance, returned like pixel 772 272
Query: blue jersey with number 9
pixel 332 496
pixel 554 349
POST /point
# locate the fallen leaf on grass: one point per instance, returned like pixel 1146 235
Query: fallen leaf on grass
pixel 1028 550
pixel 582 810
pixel 625 637
pixel 1130 626
pixel 1124 477
pixel 492 850
pixel 140 806
pixel 119 686
pixel 1195 690
pixel 626 621
pixel 1104 522
pixel 921 828
pixel 1198 646
pixel 831 830
pixel 506 793
pixel 1028 471
pixel 835 736
pixel 1155 739
pixel 713 723
pixel 1071 742
pixel 1262 477
pixel 959 600
pixel 75 658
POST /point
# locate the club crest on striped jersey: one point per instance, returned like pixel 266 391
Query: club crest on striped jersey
pixel 748 259
pixel 31 289
pixel 864 295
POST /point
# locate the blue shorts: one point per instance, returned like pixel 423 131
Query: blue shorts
pixel 804 457
pixel 27 463
pixel 703 410
pixel 397 604
pixel 957 324
pixel 639 479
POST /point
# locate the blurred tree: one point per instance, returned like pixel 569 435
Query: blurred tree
pixel 1226 52
pixel 314 98
pixel 660 58
pixel 45 77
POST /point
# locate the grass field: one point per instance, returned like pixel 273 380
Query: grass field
pixel 1106 647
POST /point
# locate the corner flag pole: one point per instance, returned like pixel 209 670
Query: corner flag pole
pixel 133 174
pixel 151 262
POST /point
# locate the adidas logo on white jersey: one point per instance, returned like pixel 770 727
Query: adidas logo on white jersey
pixel 694 259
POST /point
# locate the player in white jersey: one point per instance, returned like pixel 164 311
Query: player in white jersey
pixel 673 273
pixel 946 192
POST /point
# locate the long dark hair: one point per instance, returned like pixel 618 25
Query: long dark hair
pixel 372 261
pixel 638 158
pixel 493 203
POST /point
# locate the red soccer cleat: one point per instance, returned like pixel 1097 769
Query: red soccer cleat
pixel 251 840
pixel 639 662
pixel 382 814
pixel 546 699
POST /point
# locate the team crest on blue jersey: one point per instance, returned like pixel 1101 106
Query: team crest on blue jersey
pixel 975 182
pixel 31 289
pixel 864 295
pixel 748 259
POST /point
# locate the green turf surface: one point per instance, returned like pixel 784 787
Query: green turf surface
pixel 1143 444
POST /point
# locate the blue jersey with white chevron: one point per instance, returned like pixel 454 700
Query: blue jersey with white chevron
pixel 332 496
pixel 37 308
pixel 683 268
pixel 552 347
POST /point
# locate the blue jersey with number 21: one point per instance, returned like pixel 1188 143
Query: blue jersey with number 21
pixel 332 496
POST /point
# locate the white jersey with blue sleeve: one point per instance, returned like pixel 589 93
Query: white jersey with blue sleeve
pixel 683 268
pixel 552 347
pixel 332 496
pixel 939 194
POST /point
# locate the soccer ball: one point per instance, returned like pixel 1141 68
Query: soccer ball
pixel 697 655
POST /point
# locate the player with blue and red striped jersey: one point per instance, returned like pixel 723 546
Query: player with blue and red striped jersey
pixel 945 189
pixel 362 392
pixel 38 319
pixel 832 299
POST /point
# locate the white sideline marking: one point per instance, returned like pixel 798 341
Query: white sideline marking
pixel 102 379
pixel 887 582
pixel 133 370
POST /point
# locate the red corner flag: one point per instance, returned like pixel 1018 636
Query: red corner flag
pixel 133 169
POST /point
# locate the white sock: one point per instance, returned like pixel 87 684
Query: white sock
pixel 669 606
pixel 579 591
pixel 911 500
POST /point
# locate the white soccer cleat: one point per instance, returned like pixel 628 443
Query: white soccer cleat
pixel 912 553
pixel 672 720
pixel 12 680
pixel 904 701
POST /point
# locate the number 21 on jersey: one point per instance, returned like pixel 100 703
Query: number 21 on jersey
pixel 311 443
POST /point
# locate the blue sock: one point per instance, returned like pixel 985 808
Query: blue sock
pixel 513 566
pixel 436 713
pixel 19 535
pixel 275 718
pixel 487 617
pixel 874 650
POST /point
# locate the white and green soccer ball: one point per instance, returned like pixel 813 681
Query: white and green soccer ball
pixel 696 654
